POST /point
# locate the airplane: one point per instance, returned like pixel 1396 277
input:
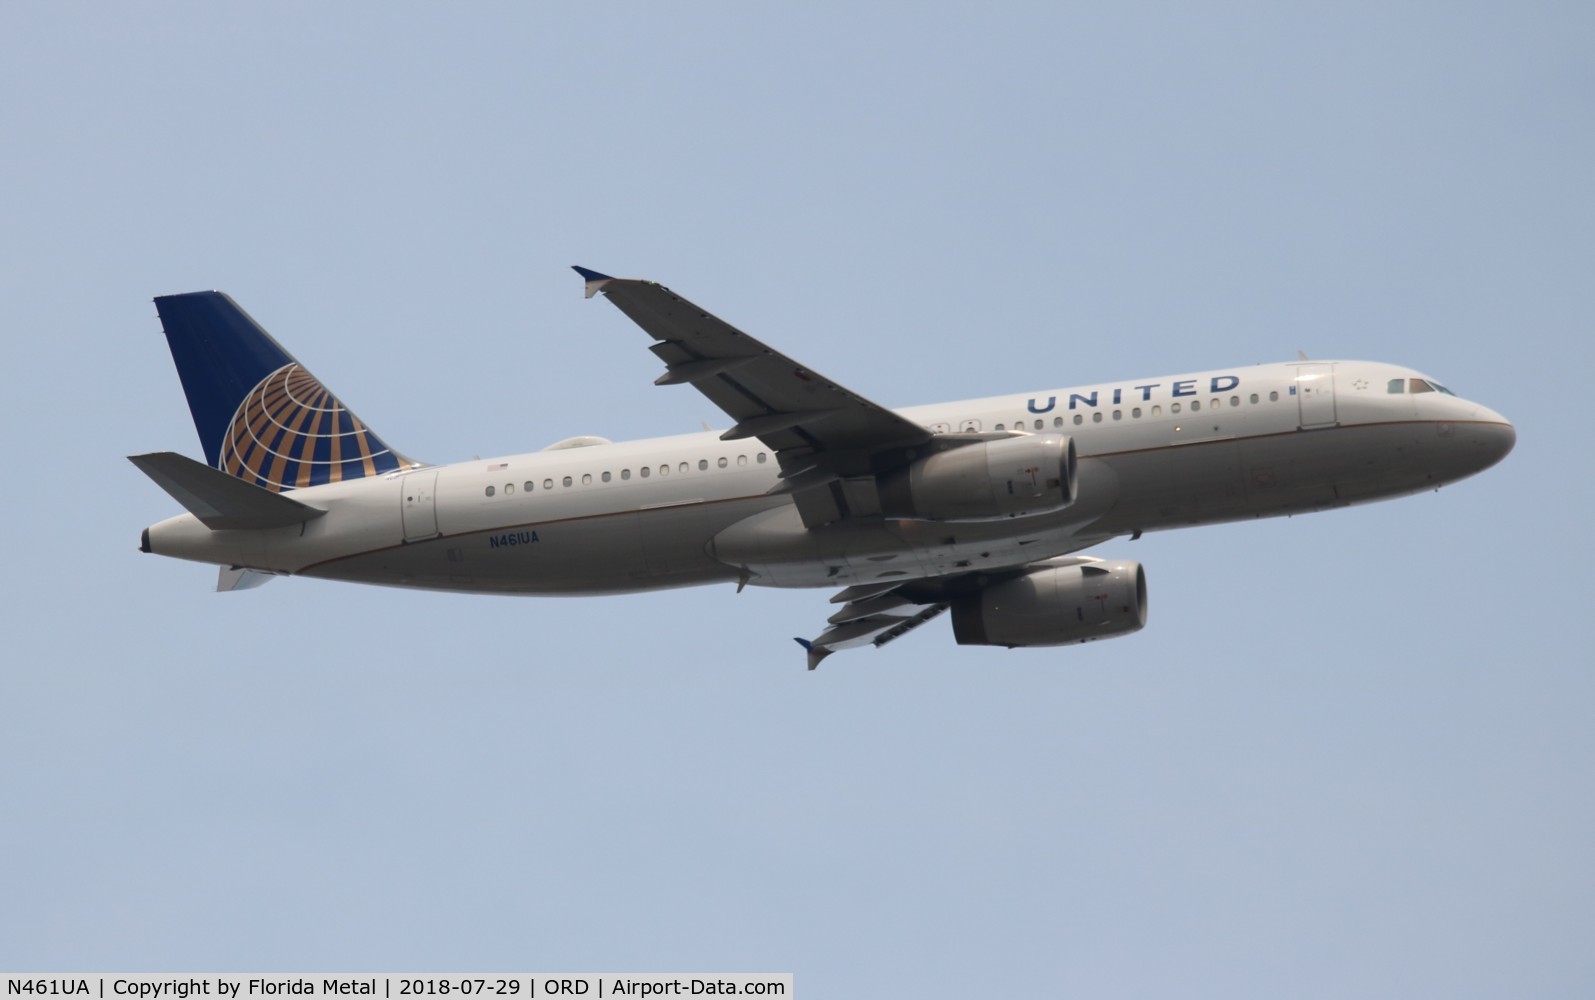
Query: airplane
pixel 979 507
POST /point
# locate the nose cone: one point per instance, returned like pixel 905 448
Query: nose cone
pixel 1492 436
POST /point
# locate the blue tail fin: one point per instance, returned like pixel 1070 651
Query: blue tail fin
pixel 260 415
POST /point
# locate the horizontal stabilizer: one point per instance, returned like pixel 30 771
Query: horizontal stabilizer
pixel 221 501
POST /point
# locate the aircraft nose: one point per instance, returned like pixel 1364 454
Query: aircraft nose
pixel 1493 436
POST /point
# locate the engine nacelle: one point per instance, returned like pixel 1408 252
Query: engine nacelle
pixel 984 481
pixel 1054 606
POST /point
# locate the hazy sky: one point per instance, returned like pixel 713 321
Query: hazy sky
pixel 1350 755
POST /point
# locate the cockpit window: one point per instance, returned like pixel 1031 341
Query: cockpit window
pixel 1417 385
pixel 1397 385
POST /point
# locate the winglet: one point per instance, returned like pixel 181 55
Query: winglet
pixel 231 578
pixel 594 280
pixel 815 655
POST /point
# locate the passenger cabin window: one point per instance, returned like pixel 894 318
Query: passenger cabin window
pixel 721 462
pixel 566 481
pixel 509 489
pixel 605 477
pixel 490 491
pixel 643 472
pixel 625 473
pixel 587 479
pixel 528 486
pixel 548 484
pixel 703 465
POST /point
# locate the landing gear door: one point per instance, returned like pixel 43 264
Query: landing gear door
pixel 417 498
pixel 1315 394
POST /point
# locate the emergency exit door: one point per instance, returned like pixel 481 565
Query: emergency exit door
pixel 1315 394
pixel 420 509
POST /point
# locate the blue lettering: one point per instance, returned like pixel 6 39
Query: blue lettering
pixel 1224 383
pixel 1051 402
pixel 1090 400
pixel 1146 391
pixel 1116 394
pixel 1185 388
pixel 513 538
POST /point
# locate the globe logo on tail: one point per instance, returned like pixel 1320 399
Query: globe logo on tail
pixel 291 432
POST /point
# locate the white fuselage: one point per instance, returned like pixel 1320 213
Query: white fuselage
pixel 640 515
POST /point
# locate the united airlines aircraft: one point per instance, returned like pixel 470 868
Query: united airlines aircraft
pixel 979 507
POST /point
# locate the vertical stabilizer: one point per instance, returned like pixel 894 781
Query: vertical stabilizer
pixel 260 415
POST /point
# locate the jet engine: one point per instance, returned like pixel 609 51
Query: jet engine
pixel 1054 606
pixel 984 481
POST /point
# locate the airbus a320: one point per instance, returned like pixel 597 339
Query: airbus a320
pixel 980 507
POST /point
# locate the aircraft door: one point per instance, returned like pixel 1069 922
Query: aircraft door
pixel 1315 394
pixel 417 495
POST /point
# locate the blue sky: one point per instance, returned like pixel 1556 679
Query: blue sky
pixel 1349 755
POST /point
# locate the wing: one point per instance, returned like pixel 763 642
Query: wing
pixel 819 430
pixel 875 614
pixel 830 442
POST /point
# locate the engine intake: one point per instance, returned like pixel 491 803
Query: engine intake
pixel 1054 606
pixel 985 481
